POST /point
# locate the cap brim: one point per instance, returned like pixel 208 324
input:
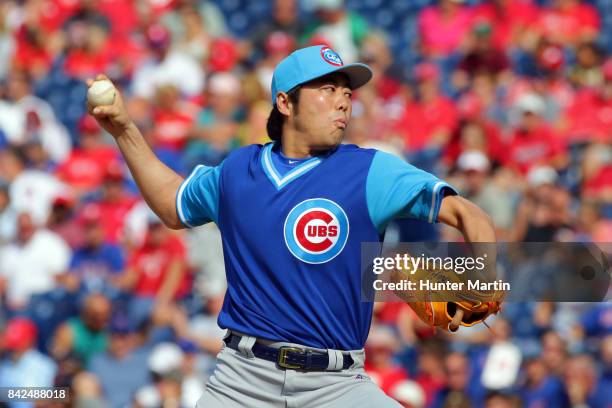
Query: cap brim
pixel 359 74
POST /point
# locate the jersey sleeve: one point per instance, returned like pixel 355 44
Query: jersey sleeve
pixel 396 189
pixel 197 199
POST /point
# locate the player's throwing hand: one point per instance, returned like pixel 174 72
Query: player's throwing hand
pixel 113 118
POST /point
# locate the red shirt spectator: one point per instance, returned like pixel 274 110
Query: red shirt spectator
pixel 430 370
pixel 600 184
pixel 62 221
pixel 31 53
pixel 52 14
pixel 470 109
pixel 113 215
pixel 84 169
pixel 422 121
pixel 509 18
pixel 590 117
pixel 389 312
pixel 431 120
pixel 81 63
pixel 379 365
pixel 115 204
pixel 443 27
pixel 173 119
pixel 160 259
pixel 160 7
pixel 538 145
pixel 568 22
pixel 482 55
pixel 129 53
pixel 400 315
pixel 122 15
pixel 386 378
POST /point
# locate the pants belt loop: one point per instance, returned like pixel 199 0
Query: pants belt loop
pixel 336 360
pixel 358 358
pixel 245 346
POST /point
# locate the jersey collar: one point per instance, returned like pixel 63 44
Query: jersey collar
pixel 273 174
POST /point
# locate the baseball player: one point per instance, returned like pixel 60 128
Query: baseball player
pixel 293 214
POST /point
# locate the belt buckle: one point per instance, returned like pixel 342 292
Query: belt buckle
pixel 282 357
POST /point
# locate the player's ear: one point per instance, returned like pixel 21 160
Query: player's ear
pixel 283 104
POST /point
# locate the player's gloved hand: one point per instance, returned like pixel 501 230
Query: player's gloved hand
pixel 113 118
pixel 450 315
pixel 449 309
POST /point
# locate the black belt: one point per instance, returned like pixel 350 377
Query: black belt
pixel 294 358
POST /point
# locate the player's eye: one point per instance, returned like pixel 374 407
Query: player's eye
pixel 329 88
pixel 348 94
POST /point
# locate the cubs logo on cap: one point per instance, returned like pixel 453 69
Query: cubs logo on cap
pixel 330 56
pixel 316 230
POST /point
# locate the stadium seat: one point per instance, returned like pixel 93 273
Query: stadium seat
pixel 48 311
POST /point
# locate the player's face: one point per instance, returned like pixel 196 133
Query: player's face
pixel 324 110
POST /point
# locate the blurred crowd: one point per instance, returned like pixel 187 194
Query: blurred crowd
pixel 510 101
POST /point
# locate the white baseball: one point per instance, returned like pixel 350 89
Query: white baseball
pixel 101 92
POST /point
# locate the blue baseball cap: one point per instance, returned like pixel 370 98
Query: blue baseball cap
pixel 310 63
pixel 121 324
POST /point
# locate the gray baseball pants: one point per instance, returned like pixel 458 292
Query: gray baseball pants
pixel 241 380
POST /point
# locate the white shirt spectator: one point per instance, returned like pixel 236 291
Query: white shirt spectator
pixel 136 224
pixel 176 69
pixel 32 369
pixel 8 219
pixel 31 268
pixel 205 252
pixel 33 191
pixel 12 120
pixel 54 137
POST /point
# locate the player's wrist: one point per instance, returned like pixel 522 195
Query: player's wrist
pixel 127 130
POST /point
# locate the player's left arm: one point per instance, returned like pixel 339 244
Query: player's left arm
pixel 467 217
pixel 396 189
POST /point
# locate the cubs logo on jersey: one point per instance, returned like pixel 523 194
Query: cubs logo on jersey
pixel 316 230
pixel 331 57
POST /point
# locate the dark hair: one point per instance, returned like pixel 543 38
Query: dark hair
pixel 274 127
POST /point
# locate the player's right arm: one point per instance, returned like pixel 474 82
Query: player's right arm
pixel 158 184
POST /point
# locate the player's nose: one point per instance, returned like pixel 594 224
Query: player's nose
pixel 343 101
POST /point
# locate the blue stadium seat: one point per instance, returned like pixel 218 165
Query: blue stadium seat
pixel 357 5
pixel 65 95
pixel 259 9
pixel 229 5
pixel 238 22
pixel 603 5
pixel 385 18
pixel 48 311
pixel 605 39
pixel 410 27
pixel 420 4
pixel 373 4
pixel 400 7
